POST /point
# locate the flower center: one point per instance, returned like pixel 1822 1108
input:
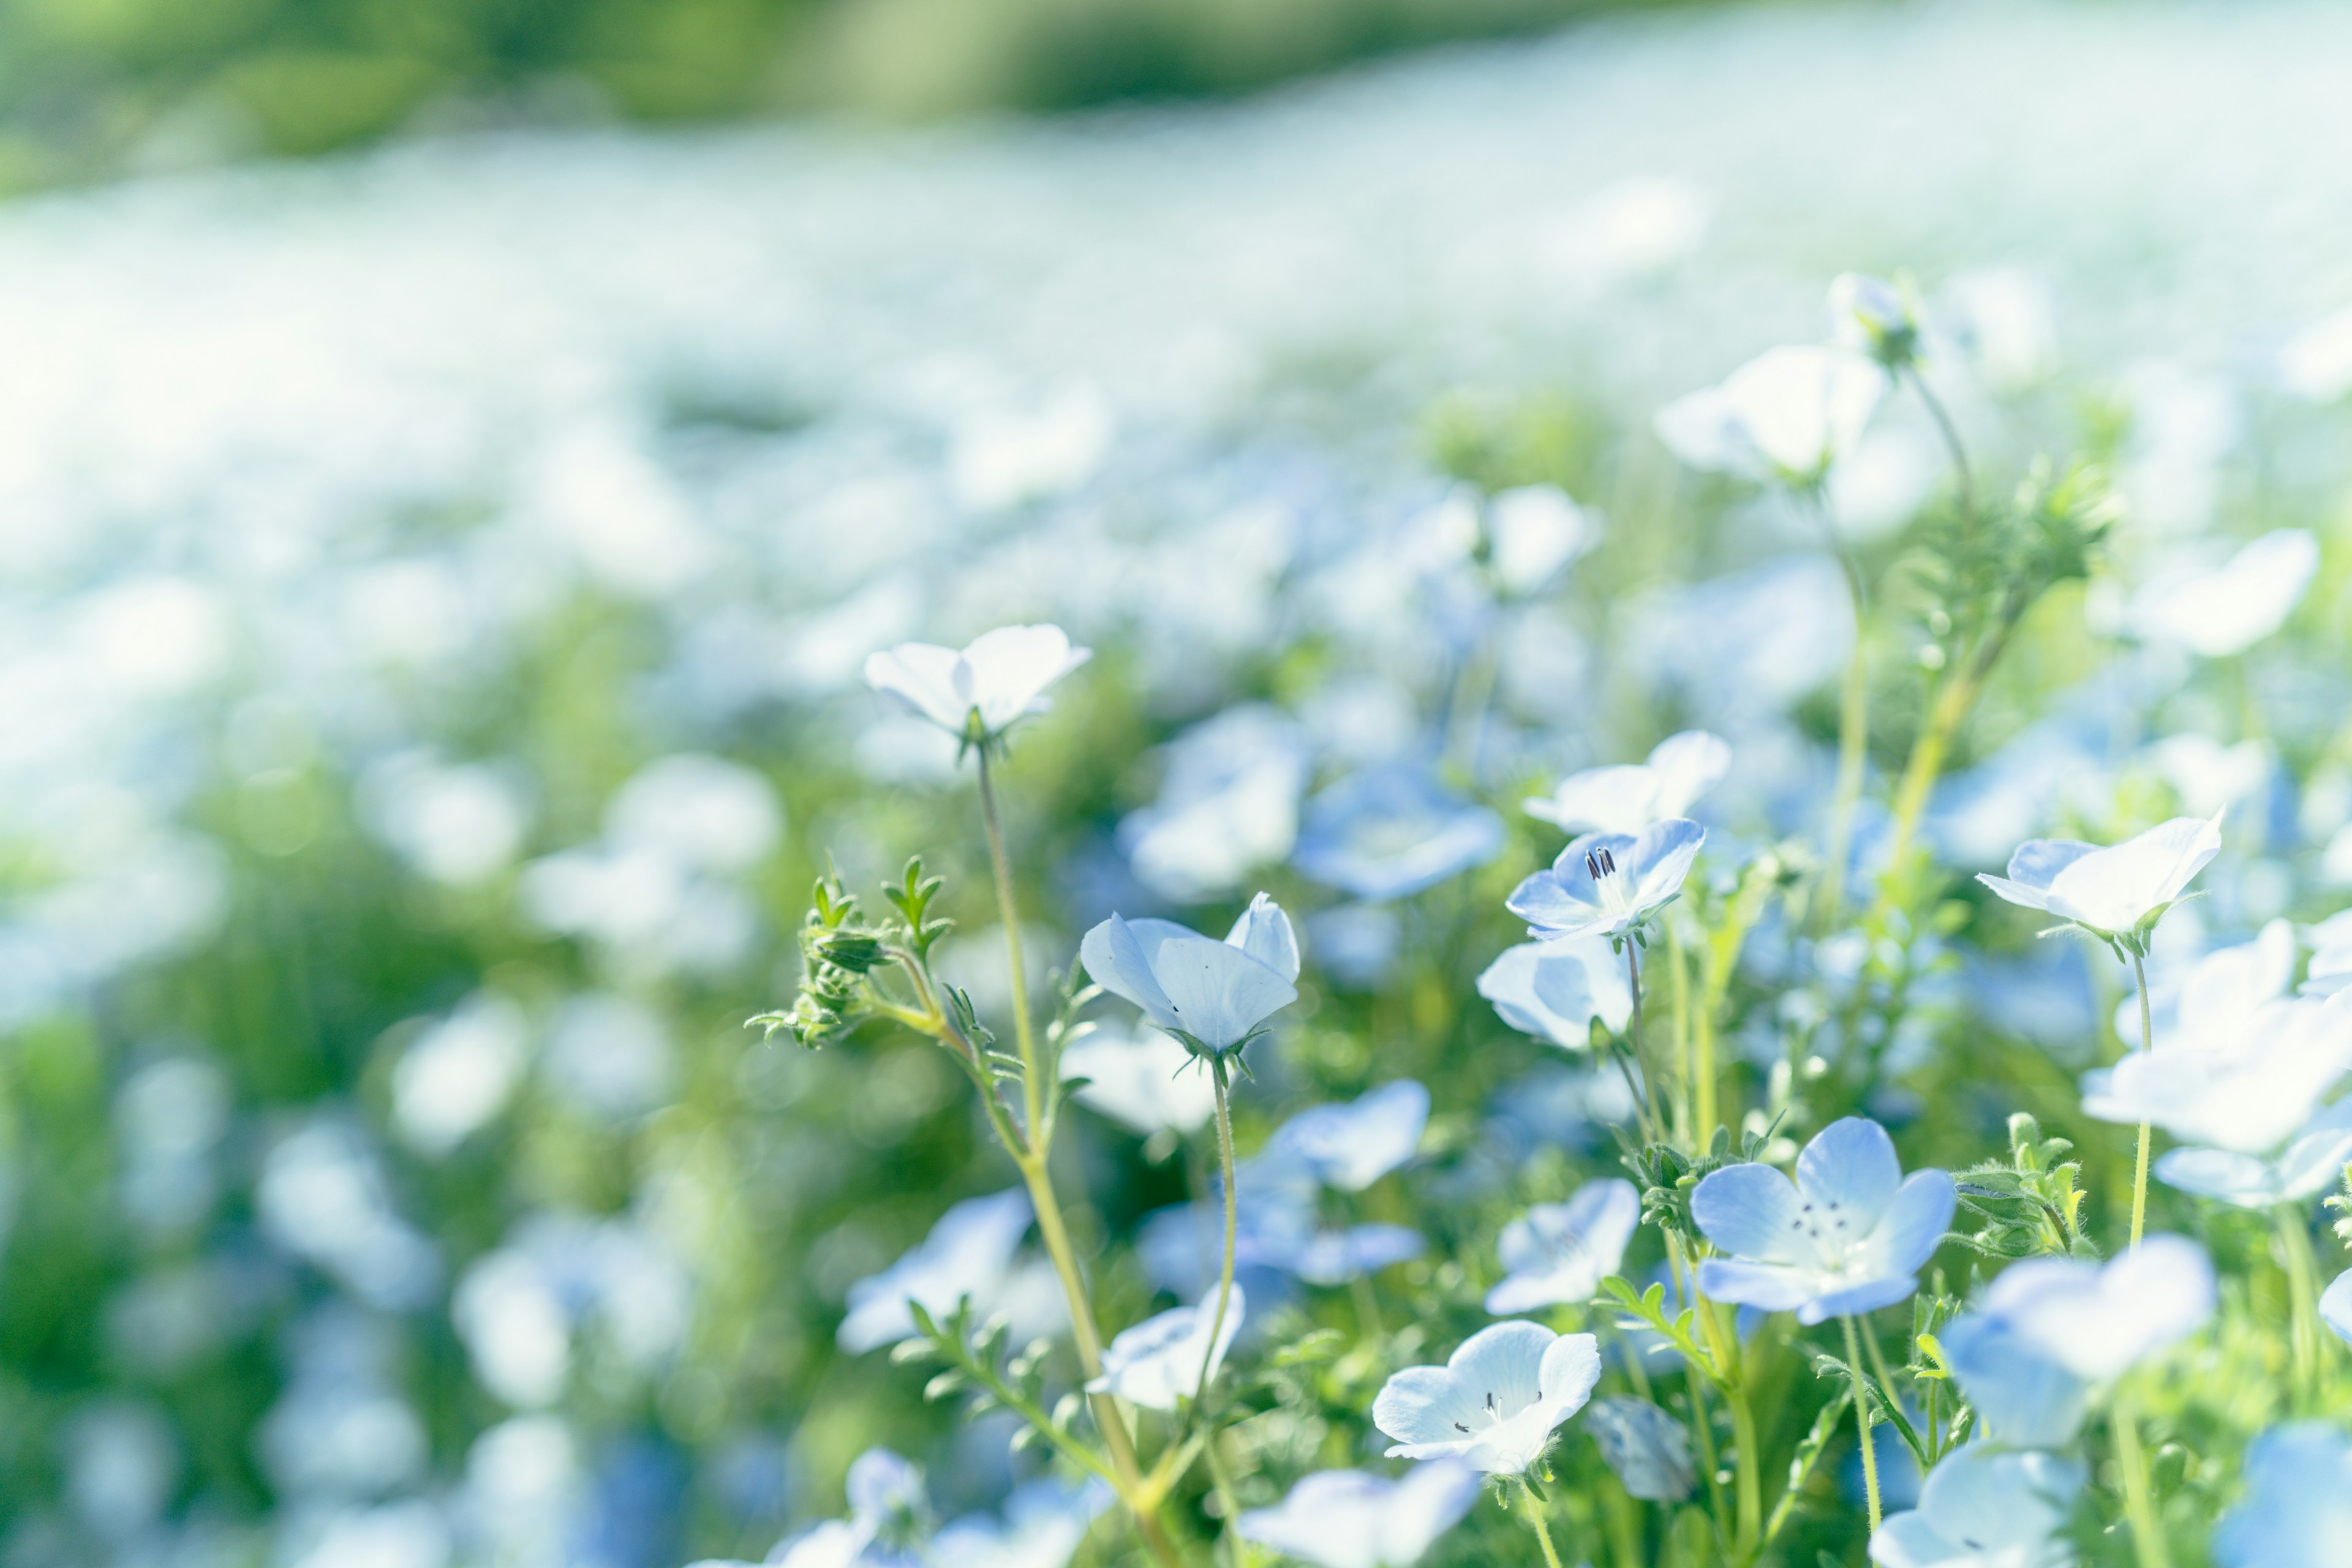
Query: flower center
pixel 1832 1236
pixel 1491 1414
pixel 1614 891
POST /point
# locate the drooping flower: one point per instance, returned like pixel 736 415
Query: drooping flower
pixel 2097 1320
pixel 1608 883
pixel 968 1253
pixel 1873 316
pixel 1495 1402
pixel 1647 1449
pixel 2248 1095
pixel 1040 1526
pixel 1389 832
pixel 1985 1507
pixel 1554 990
pixel 1350 1519
pixel 999 678
pixel 2297 1510
pixel 1213 996
pixel 1560 1252
pixel 2310 1163
pixel 1159 1362
pixel 2227 609
pixel 1787 415
pixel 1348 1146
pixel 2117 893
pixel 1849 1235
pixel 1144 1082
pixel 1630 796
pixel 2022 1396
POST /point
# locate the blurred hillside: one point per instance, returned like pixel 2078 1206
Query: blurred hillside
pixel 91 87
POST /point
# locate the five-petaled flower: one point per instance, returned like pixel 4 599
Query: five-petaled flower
pixel 1495 1402
pixel 1163 1361
pixel 1349 1519
pixel 1605 884
pixel 1984 1508
pixel 2118 893
pixel 2097 1320
pixel 1628 797
pixel 1213 996
pixel 1849 1235
pixel 977 693
pixel 1560 1252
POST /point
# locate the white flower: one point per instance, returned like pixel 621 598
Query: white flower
pixel 2097 1320
pixel 976 695
pixel 968 1253
pixel 2249 1093
pixel 2228 609
pixel 1348 1146
pixel 1873 316
pixel 1213 995
pixel 1553 990
pixel 2117 891
pixel 1608 883
pixel 1348 1518
pixel 1984 1508
pixel 1160 1361
pixel 1787 415
pixel 1495 1402
pixel 2208 1006
pixel 1534 532
pixel 1560 1252
pixel 1631 797
pixel 1228 803
pixel 1041 1525
pixel 1143 1082
pixel 2309 1164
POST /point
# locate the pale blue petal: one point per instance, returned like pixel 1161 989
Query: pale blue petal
pixel 2318 1154
pixel 2220 1173
pixel 2016 893
pixel 1115 960
pixel 1351 1146
pixel 2022 1398
pixel 1423 1405
pixel 1908 1541
pixel 1429 1500
pixel 1768 1287
pixel 1749 1211
pixel 1849 1170
pixel 1569 1369
pixel 1218 994
pixel 1867 1296
pixel 1506 1360
pixel 1661 859
pixel 1263 931
pixel 1914 1223
pixel 2336 1307
pixel 2039 861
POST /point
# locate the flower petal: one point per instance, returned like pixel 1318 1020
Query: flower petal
pixel 1749 1211
pixel 1849 1170
pixel 1768 1287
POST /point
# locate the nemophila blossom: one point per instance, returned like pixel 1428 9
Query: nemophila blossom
pixel 1041 1525
pixel 1160 1361
pixel 1389 832
pixel 1630 796
pixel 1533 532
pixel 1554 990
pixel 2336 1307
pixel 2297 1508
pixel 1348 1145
pixel 2119 892
pixel 2023 1396
pixel 1213 995
pixel 1605 884
pixel 1646 1447
pixel 887 1525
pixel 2098 1320
pixel 1560 1252
pixel 2208 1004
pixel 2227 609
pixel 1495 1402
pixel 2249 1095
pixel 2312 1162
pixel 1849 1235
pixel 1350 1519
pixel 1787 415
pixel 1873 316
pixel 1144 1082
pixel 1228 803
pixel 977 694
pixel 1982 1506
pixel 968 1253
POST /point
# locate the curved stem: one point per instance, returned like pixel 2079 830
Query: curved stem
pixel 1534 1510
pixel 2147 1043
pixel 1951 434
pixel 2147 1545
pixel 1862 1420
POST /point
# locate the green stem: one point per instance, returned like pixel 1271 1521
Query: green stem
pixel 2147 1043
pixel 1862 1421
pixel 1641 1052
pixel 2303 1290
pixel 1229 1502
pixel 1534 1510
pixel 2148 1544
pixel 1685 1045
pixel 1225 1272
pixel 1031 1092
pixel 1951 434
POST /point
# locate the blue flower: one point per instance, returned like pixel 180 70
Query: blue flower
pixel 1228 803
pixel 1553 990
pixel 1608 883
pixel 1849 1235
pixel 1348 1518
pixel 1389 832
pixel 1349 1146
pixel 2097 1321
pixel 1162 1360
pixel 1560 1252
pixel 1648 1449
pixel 2297 1510
pixel 2021 1395
pixel 966 1254
pixel 1631 797
pixel 1213 996
pixel 1495 1402
pixel 1984 1508
pixel 2117 892
pixel 1041 1526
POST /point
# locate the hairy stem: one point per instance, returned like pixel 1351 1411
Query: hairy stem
pixel 1685 1044
pixel 1862 1420
pixel 1641 1051
pixel 2147 1043
pixel 1225 1269
pixel 1032 1092
pixel 1534 1510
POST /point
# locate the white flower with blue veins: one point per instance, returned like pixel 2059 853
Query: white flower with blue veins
pixel 1630 796
pixel 1558 1253
pixel 968 1253
pixel 1165 1360
pixel 1985 1507
pixel 2117 892
pixel 977 693
pixel 1849 1235
pixel 1215 996
pixel 2098 1320
pixel 1605 884
pixel 2297 1510
pixel 1554 990
pixel 1496 1401
pixel 1787 415
pixel 1349 1519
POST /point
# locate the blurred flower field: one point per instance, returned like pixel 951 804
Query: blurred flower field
pixel 457 600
